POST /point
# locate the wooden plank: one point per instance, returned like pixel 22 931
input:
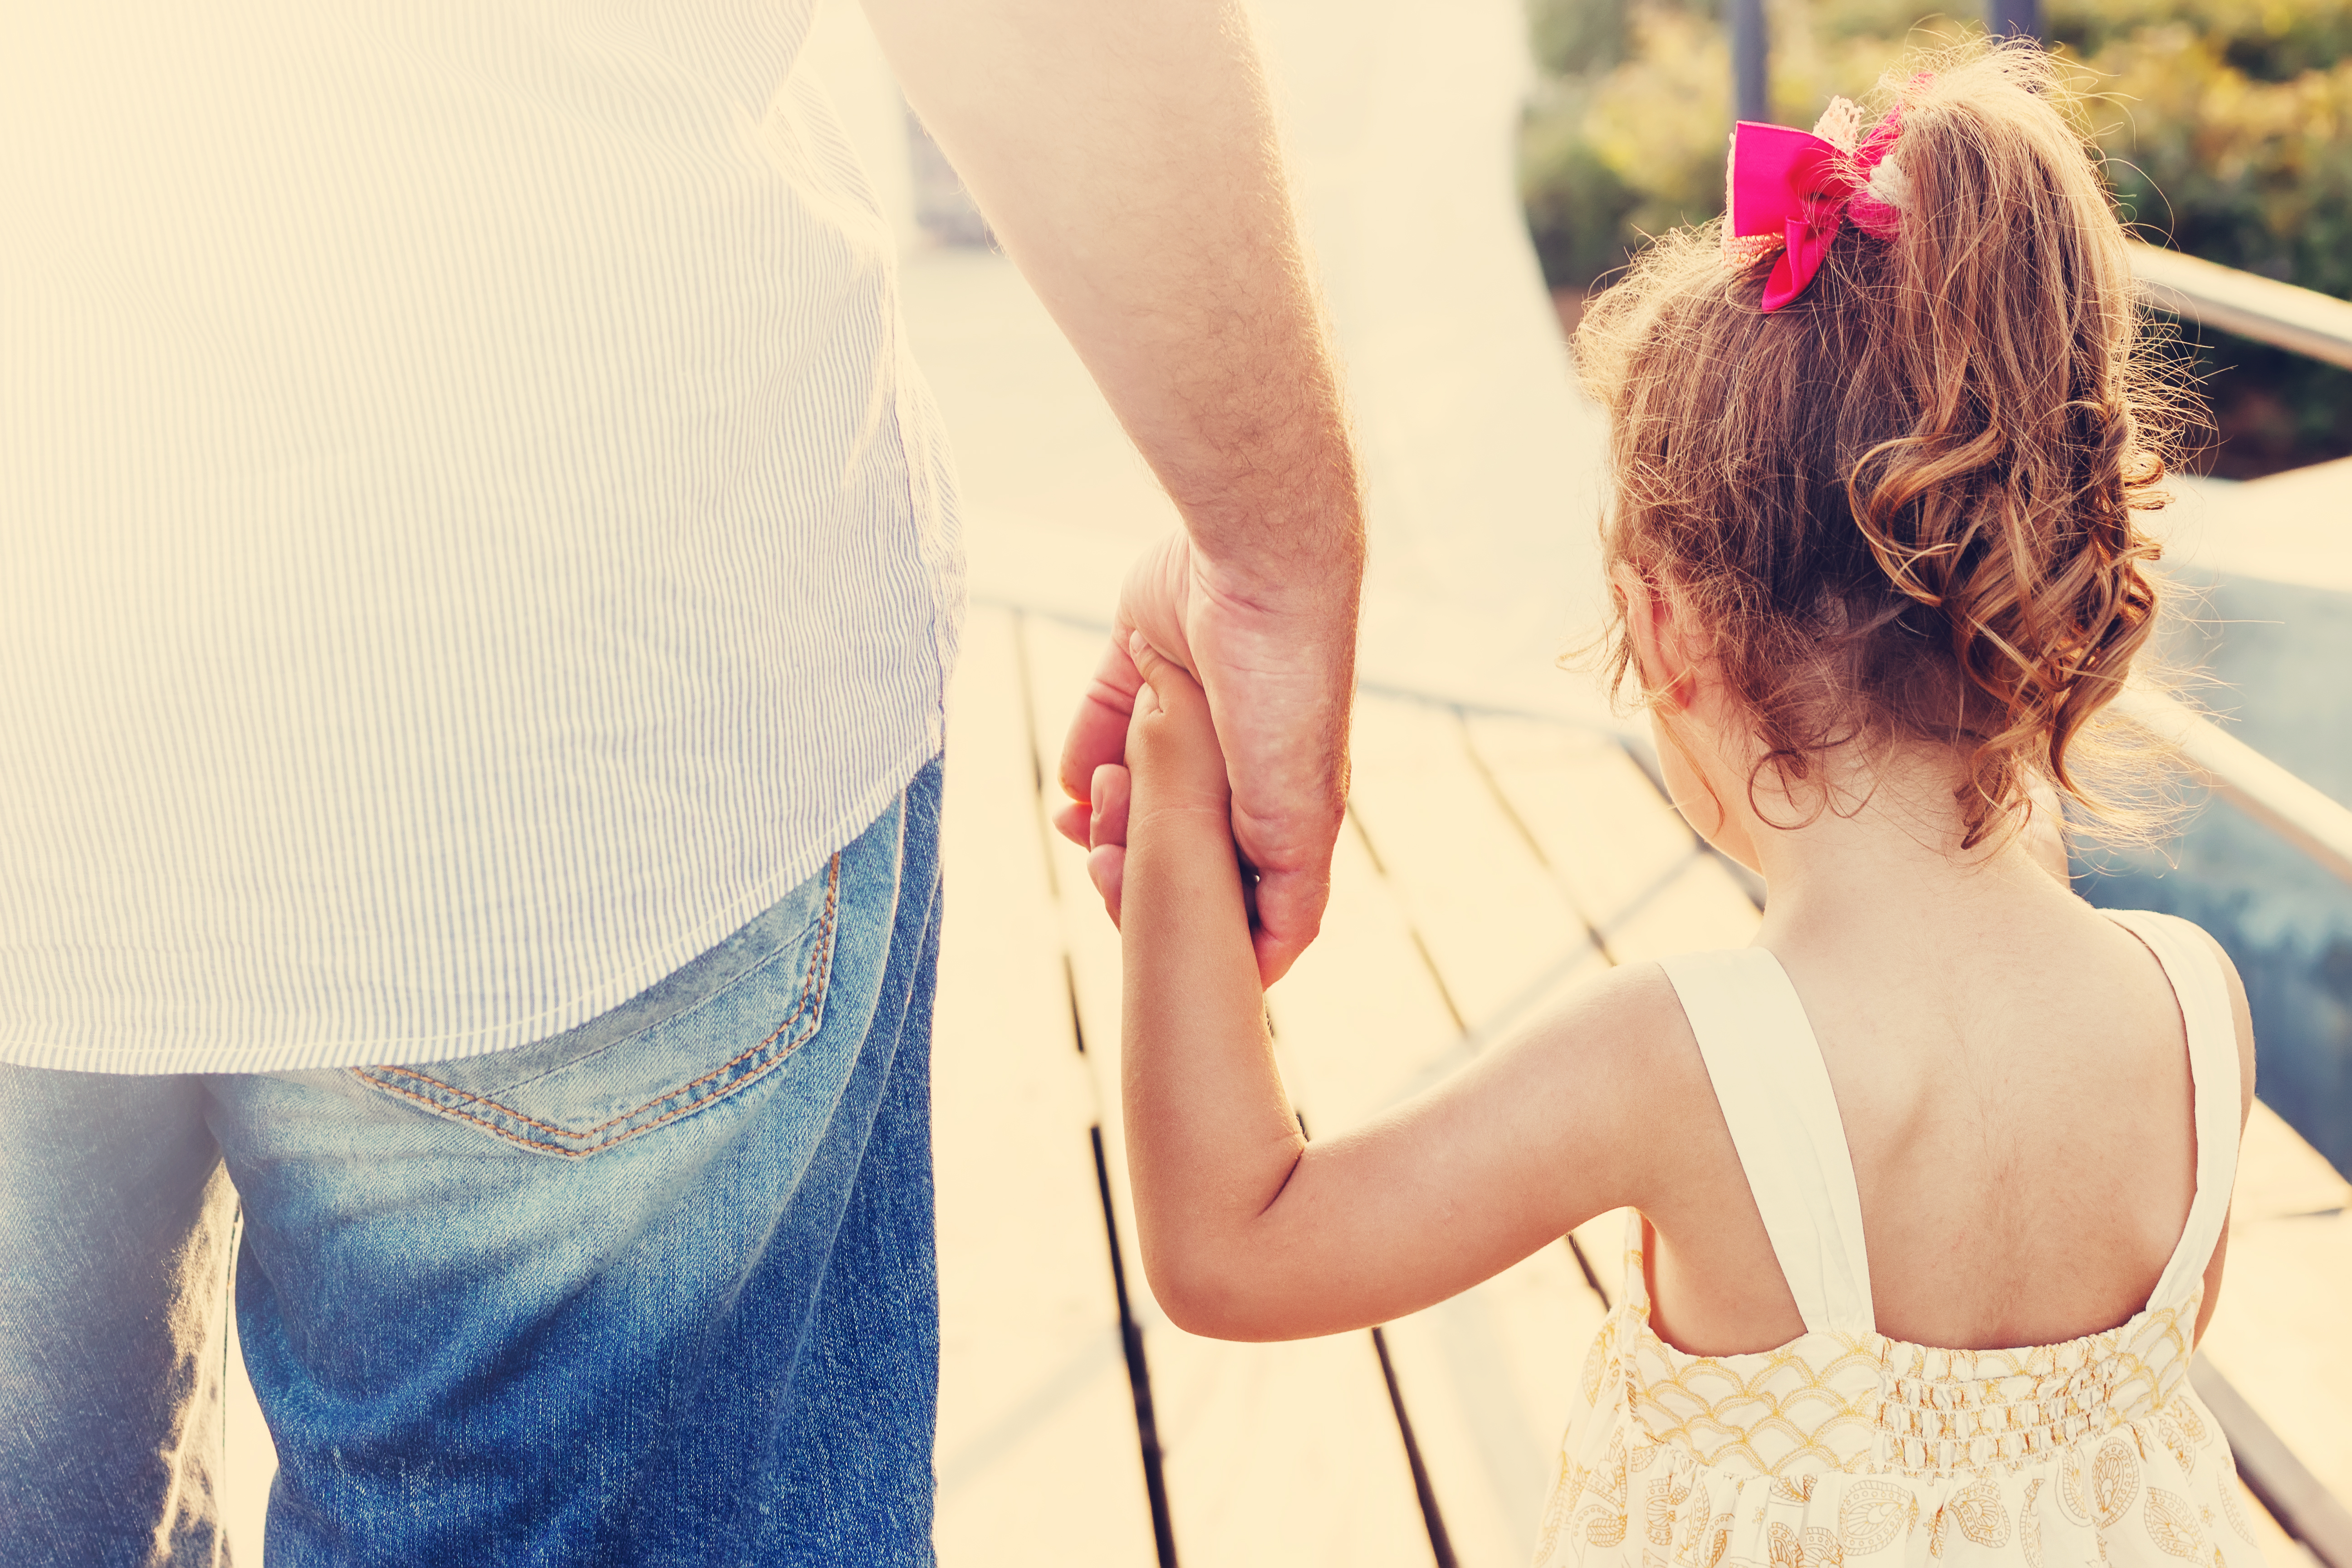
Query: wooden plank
pixel 1487 1377
pixel 2285 1494
pixel 2279 1549
pixel 1601 827
pixel 1038 1455
pixel 2281 1176
pixel 1498 926
pixel 1628 863
pixel 1499 827
pixel 1698 910
pixel 1283 1454
pixel 1632 865
pixel 2278 1332
pixel 1360 1022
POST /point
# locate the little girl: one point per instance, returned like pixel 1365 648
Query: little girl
pixel 1930 1183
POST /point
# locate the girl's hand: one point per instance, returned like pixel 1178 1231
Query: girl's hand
pixel 1177 767
pixel 1171 743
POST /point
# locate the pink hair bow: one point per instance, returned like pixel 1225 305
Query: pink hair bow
pixel 1790 191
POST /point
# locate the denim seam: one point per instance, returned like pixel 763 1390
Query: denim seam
pixel 810 992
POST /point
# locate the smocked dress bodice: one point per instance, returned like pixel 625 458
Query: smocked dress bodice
pixel 1846 1449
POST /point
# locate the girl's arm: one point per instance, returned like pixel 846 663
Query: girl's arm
pixel 1250 1232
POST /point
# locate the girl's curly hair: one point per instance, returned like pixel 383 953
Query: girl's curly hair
pixel 1905 506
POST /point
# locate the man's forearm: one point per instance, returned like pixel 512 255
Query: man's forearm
pixel 1125 153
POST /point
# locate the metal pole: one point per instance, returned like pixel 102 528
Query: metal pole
pixel 1748 46
pixel 2021 17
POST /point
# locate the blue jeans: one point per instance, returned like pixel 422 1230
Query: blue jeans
pixel 657 1290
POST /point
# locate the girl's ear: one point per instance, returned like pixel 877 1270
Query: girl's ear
pixel 1660 659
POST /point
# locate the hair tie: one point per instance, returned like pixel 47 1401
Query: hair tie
pixel 1789 191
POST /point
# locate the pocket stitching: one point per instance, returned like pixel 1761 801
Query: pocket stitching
pixel 811 993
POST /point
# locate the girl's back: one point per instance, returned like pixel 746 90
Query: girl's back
pixel 2020 1129
pixel 1854 1439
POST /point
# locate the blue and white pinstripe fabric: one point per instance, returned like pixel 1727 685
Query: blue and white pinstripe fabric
pixel 471 537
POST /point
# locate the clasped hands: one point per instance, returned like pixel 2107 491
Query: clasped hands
pixel 1278 668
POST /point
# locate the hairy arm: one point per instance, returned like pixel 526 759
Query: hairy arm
pixel 1249 1231
pixel 1125 153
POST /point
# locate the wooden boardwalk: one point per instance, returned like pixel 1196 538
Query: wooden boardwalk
pixel 1490 861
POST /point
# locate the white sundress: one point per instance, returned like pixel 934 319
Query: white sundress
pixel 1844 1448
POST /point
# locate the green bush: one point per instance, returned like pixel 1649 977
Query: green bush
pixel 2273 41
pixel 2252 171
pixel 2227 125
pixel 1577 38
pixel 1576 205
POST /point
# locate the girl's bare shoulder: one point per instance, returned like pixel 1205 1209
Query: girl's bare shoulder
pixel 2159 988
pixel 1629 1015
pixel 1620 1047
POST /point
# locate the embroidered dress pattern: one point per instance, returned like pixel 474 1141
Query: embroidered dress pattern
pixel 1846 1449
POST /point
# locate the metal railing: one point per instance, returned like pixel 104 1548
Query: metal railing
pixel 2312 822
pixel 2263 309
pixel 2307 322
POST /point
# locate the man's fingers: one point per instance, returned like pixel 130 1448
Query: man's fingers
pixel 1107 822
pixel 1098 728
pixel 1106 868
pixel 1289 912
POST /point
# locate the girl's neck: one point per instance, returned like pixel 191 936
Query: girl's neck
pixel 1883 857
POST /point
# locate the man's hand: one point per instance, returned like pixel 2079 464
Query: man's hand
pixel 1125 153
pixel 1278 680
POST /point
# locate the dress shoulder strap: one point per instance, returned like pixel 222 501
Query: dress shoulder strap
pixel 2203 995
pixel 1766 1065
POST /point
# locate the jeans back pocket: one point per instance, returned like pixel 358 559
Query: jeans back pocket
pixel 695 1037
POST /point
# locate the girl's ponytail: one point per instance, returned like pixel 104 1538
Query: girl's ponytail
pixel 2005 511
pixel 1906 501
